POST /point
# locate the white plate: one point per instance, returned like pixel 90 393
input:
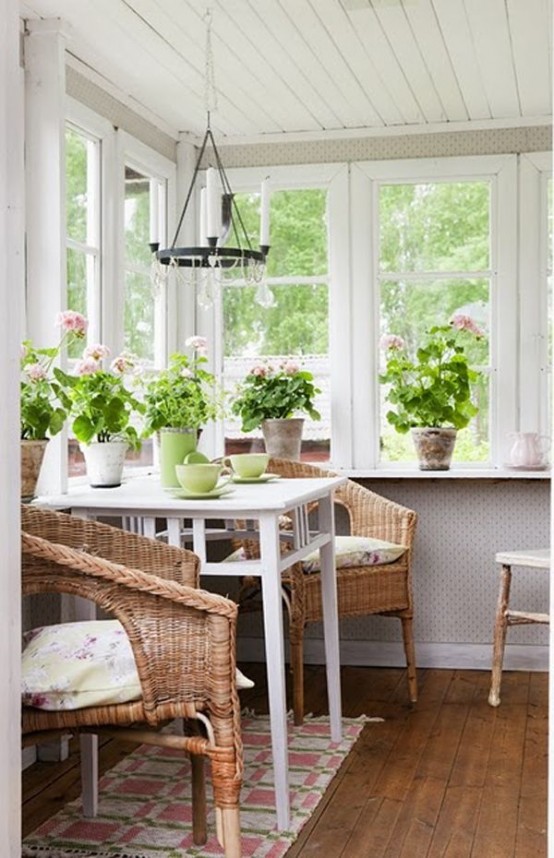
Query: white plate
pixel 218 492
pixel 265 478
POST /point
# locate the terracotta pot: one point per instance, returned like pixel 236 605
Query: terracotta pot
pixel 283 437
pixel 32 454
pixel 104 461
pixel 434 447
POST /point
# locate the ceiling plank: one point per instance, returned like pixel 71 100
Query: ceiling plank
pixel 530 26
pixel 379 48
pixel 409 57
pixel 354 103
pixel 489 28
pixel 454 26
pixel 428 36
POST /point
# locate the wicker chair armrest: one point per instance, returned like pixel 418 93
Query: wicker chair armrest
pixel 183 639
pixel 373 515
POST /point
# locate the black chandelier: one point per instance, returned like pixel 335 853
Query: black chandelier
pixel 220 221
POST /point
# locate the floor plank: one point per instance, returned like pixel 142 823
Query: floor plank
pixel 448 777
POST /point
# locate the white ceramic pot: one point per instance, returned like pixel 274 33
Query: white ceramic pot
pixel 104 461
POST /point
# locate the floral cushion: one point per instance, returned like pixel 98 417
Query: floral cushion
pixel 349 551
pixel 357 551
pixel 74 665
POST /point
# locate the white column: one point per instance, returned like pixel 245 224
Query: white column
pixel 11 296
pixel 45 202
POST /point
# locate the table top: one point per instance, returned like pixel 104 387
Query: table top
pixel 537 557
pixel 143 495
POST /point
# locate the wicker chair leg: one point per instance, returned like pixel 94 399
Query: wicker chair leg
pixel 88 743
pixel 199 827
pixel 230 824
pixel 408 636
pixel 297 668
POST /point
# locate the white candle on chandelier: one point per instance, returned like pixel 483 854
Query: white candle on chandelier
pixel 203 232
pixel 264 214
pixel 213 204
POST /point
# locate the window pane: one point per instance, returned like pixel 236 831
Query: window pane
pixel 76 184
pixel 77 265
pixel 297 325
pixel 409 308
pixel 298 228
pixel 139 316
pixel 434 227
pixel 137 217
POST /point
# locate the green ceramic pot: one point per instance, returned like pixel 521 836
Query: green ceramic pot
pixel 174 446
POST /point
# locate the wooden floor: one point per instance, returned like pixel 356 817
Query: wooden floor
pixel 449 777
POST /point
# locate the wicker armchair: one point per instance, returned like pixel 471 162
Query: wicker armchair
pixel 183 641
pixel 385 589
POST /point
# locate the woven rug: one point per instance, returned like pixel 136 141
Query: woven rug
pixel 144 806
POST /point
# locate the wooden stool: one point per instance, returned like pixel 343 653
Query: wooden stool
pixel 537 558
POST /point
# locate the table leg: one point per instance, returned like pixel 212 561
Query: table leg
pixel 275 663
pixel 330 616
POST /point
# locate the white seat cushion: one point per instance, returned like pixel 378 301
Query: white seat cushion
pixel 74 665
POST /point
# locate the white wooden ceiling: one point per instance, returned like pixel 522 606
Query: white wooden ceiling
pixel 314 67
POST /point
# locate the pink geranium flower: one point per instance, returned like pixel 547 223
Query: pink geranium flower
pixel 36 372
pixel 96 352
pixel 290 367
pixel 466 323
pixel 72 321
pixel 199 344
pixel 392 341
pixel 87 366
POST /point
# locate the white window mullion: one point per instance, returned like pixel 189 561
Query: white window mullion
pixel 365 322
pixel 534 172
pixel 504 317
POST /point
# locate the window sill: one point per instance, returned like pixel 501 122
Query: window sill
pixel 455 473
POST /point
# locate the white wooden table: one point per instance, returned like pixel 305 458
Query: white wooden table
pixel 140 501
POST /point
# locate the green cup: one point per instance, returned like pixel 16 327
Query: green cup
pixel 201 478
pixel 248 465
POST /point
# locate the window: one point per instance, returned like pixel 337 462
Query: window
pixel 434 261
pixel 82 171
pixel 118 194
pixel 432 238
pixel 305 202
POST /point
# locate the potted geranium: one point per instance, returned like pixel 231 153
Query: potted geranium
pixel 43 400
pixel 431 392
pixel 271 396
pixel 179 401
pixel 102 407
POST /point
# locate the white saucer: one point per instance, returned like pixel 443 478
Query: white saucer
pixel 543 467
pixel 265 478
pixel 184 494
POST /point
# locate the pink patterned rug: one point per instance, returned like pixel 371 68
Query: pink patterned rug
pixel 145 799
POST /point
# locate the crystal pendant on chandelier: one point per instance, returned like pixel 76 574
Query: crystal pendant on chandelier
pixel 224 249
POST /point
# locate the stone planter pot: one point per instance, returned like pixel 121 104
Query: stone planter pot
pixel 104 462
pixel 283 437
pixel 32 454
pixel 434 447
pixel 174 444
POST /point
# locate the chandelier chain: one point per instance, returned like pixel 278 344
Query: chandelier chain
pixel 210 91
